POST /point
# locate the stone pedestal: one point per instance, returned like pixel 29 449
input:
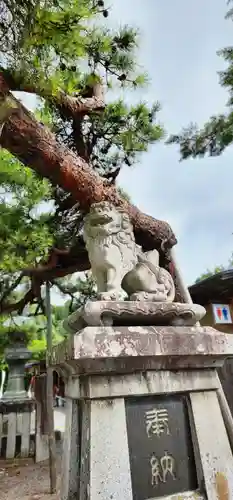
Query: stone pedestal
pixel 143 414
pixel 15 429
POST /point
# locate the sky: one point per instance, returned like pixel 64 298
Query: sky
pixel 179 41
pixel 178 44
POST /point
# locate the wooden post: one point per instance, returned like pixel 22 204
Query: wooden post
pixel 180 282
pixel 226 412
pixel 50 418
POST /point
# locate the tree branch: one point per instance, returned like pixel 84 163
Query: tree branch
pixel 12 287
pixel 69 106
pixel 36 147
pixel 66 290
pixel 78 138
pixel 19 305
pixel 61 262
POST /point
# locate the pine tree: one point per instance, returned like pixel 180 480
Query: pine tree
pixel 63 53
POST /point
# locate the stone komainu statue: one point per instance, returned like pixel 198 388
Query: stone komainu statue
pixel 111 247
pixel 148 281
pixel 117 262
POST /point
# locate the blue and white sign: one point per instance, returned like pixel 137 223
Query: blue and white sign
pixel 222 313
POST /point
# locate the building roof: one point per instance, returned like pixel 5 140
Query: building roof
pixel 216 288
pixel 31 363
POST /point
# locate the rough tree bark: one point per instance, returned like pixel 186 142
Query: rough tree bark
pixel 36 147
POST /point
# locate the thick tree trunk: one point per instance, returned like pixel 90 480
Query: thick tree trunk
pixel 36 147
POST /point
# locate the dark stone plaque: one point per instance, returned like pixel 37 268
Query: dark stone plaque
pixel 160 446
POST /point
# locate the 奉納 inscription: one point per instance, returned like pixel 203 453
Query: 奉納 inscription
pixel 156 422
pixel 160 446
pixel 161 468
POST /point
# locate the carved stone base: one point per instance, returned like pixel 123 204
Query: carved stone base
pixel 128 349
pixel 139 398
pixel 110 313
pixel 148 296
pixel 115 295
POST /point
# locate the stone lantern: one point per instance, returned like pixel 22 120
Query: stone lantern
pixel 16 356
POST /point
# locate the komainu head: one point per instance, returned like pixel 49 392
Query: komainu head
pixel 104 219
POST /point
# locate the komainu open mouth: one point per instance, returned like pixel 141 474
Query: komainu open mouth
pixel 98 220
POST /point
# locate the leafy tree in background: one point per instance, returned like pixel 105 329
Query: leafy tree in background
pixel 217 133
pixel 210 273
pixel 217 269
pixel 35 326
pixel 83 290
pixel 64 53
pixel 24 233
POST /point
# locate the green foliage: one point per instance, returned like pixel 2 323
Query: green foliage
pixel 62 49
pixel 121 133
pixel 217 269
pixel 38 348
pixel 80 290
pixel 215 136
pixel 24 233
pixel 217 133
pixel 34 327
pixel 57 37
pixel 210 273
pixel 4 339
pixel 31 329
pixel 65 48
